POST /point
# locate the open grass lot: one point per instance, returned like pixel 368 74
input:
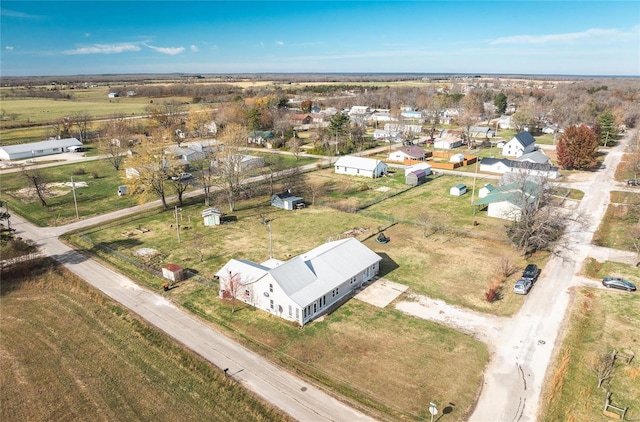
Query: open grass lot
pixel 600 321
pixel 97 198
pixel 390 363
pixel 623 213
pixel 69 353
pixel 390 356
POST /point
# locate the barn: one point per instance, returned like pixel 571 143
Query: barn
pixel 287 201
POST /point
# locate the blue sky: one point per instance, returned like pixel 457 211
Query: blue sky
pixel 110 37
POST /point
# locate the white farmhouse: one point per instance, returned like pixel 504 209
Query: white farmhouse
pixel 521 143
pixel 506 202
pixel 360 166
pixel 304 287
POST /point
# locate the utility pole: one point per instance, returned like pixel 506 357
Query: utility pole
pixel 177 223
pixel 75 201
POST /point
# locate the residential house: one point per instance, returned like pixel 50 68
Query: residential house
pixel 360 166
pixel 504 122
pixel 287 201
pixel 184 155
pixel 481 132
pixel 305 287
pixel 447 143
pixel 407 153
pixel 521 143
pixel 412 115
pixel 359 111
pixel 298 119
pixel 506 166
pixel 260 137
pixel 537 156
pixel 399 127
pixel 38 149
pixel 506 202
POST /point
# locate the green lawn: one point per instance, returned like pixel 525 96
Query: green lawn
pixel 98 197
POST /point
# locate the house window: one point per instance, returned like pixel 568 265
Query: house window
pixel 246 292
pixel 304 312
pixel 315 309
pixel 270 287
pixel 337 291
pixel 297 313
pixel 271 303
pixel 289 311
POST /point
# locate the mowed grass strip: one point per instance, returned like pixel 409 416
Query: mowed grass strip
pixel 620 219
pixel 382 359
pixel 69 353
pixel 600 321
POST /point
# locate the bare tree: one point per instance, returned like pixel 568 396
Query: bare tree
pixel 231 287
pixel 150 171
pixel 39 186
pixel 603 366
pixel 229 161
pixel 81 120
pixel 113 140
pixel 424 221
pixel 316 189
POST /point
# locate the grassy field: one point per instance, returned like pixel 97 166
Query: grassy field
pixel 623 214
pixel 600 322
pixel 379 358
pixel 356 329
pixel 69 353
pixel 98 197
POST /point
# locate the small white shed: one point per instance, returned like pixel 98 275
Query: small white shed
pixel 458 190
pixel 485 190
pixel 212 217
pixel 456 158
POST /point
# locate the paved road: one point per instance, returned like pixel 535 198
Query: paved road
pixel 285 391
pixel 522 353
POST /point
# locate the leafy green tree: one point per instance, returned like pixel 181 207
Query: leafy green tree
pixel 577 148
pixel 254 119
pixel 523 118
pixel 501 103
pixel 607 127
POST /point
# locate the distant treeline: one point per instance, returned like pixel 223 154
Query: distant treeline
pixel 40 92
pixel 205 92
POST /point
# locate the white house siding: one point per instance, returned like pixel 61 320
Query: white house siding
pixel 358 166
pixel 38 149
pixel 498 167
pixel 504 210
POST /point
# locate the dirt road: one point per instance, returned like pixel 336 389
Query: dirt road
pixel 523 350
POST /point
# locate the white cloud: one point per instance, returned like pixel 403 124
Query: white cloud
pixel 9 48
pixel 194 48
pixel 15 14
pixel 103 49
pixel 279 42
pixel 86 35
pixel 171 51
pixel 594 34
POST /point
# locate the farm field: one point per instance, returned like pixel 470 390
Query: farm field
pixel 108 365
pixel 600 321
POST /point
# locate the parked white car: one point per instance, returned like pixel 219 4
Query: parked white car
pixel 522 286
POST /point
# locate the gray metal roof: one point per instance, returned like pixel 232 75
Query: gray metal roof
pixel 41 145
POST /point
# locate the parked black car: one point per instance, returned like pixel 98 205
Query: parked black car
pixel 633 182
pixel 530 272
pixel 618 283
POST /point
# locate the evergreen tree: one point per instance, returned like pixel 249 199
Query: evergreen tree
pixel 577 148
pixel 607 127
pixel 501 103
